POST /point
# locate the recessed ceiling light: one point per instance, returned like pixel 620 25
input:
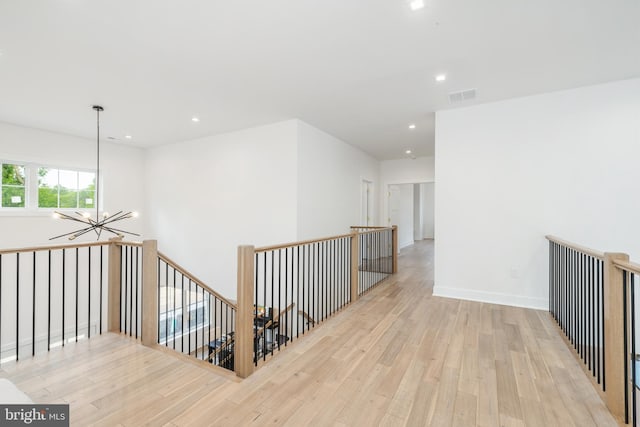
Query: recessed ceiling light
pixel 441 77
pixel 412 126
pixel 416 4
pixel 408 152
pixel 195 119
pixel 128 136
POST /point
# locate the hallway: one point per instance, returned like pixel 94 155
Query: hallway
pixel 398 356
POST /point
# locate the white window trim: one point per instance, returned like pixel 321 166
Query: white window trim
pixel 31 208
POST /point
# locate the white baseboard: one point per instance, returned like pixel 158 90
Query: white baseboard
pixel 492 297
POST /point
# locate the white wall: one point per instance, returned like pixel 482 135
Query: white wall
pixel 212 194
pixel 330 174
pixel 121 172
pixel 563 163
pixel 428 210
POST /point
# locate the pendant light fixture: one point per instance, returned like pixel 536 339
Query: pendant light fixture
pixel 99 224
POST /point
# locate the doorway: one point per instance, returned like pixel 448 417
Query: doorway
pixel 411 208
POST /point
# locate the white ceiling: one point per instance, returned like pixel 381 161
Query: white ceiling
pixel 362 70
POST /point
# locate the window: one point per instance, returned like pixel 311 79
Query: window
pixel 28 188
pixel 59 188
pixel 171 322
pixel 13 186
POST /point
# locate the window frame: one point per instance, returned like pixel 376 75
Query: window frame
pixel 25 186
pixel 31 207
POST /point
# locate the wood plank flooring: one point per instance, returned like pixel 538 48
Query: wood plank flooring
pixel 397 357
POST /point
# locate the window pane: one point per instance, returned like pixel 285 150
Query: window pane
pixel 87 199
pixel 47 177
pixel 13 186
pixel 68 179
pixel 12 175
pixel 86 181
pixel 47 188
pixel 68 198
pixel 47 197
pixel 13 197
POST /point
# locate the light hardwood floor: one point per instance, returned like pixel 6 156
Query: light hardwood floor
pixel 399 356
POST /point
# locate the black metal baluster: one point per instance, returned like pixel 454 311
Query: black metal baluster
pixel 591 316
pixel 209 321
pixel 551 266
pixel 203 313
pixel 625 308
pixel 601 278
pixel 184 312
pixel 215 329
pixel 123 274
pixel 574 304
pixel 48 300
pixel 89 294
pixel 101 250
pixel 297 316
pixel 166 306
pixel 131 291
pixel 64 252
pixel 264 296
pixel 286 294
pixel 189 316
pixel 633 347
pixel 137 290
pixel 173 321
pixel 598 301
pixel 1 308
pixel 17 305
pixel 159 290
pixel 255 311
pixel 294 307
pixel 33 309
pixel 77 286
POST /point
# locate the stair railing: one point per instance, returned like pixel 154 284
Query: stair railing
pixel 281 287
pixel 592 297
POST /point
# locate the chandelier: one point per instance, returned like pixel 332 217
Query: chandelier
pixel 99 223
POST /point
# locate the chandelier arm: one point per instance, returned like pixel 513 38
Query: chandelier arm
pixel 72 232
pixel 72 218
pixel 117 231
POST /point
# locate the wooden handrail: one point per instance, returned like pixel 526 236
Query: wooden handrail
pixel 368 226
pixel 193 278
pixel 301 243
pixel 53 247
pixel 68 246
pixel 306 316
pixel 323 239
pixel 583 249
pixel 375 230
pixel 124 243
pixel 627 265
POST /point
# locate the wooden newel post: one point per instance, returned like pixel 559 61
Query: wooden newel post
pixel 150 292
pixel 613 336
pixel 394 239
pixel 115 277
pixel 355 236
pixel 243 352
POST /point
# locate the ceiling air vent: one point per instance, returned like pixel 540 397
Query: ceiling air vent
pixel 463 95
